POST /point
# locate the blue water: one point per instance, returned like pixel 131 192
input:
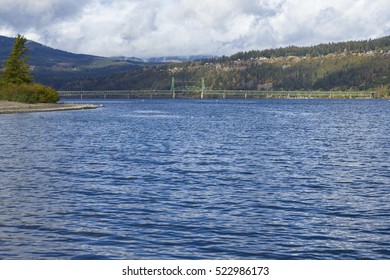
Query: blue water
pixel 198 179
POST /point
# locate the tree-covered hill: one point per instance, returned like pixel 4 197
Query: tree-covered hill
pixel 320 50
pixel 356 65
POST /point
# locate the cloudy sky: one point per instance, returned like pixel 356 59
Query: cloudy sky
pixel 147 28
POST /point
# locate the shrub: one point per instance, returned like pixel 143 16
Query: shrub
pixel 45 94
pixel 383 91
pixel 28 93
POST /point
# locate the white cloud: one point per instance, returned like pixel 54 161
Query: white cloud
pixel 37 14
pixel 304 22
pixel 184 27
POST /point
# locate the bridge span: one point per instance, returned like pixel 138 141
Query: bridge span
pixel 202 94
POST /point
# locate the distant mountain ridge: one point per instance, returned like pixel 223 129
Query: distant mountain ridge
pixel 42 55
pixel 57 68
pixel 174 59
pixel 166 59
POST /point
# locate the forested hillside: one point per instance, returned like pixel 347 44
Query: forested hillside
pixel 381 44
pixel 355 65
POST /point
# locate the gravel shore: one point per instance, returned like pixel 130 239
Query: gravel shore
pixel 8 107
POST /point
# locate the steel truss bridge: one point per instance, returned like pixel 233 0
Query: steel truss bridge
pixel 192 91
pixel 202 94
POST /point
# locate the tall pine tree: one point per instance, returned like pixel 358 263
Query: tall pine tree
pixel 16 70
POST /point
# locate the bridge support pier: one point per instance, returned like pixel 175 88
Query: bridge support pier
pixel 173 88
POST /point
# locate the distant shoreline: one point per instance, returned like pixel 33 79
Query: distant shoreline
pixel 9 107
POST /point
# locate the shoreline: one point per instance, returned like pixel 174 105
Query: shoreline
pixel 10 107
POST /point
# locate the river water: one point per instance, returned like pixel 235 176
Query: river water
pixel 198 179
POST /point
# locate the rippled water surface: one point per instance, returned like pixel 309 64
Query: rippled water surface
pixel 198 179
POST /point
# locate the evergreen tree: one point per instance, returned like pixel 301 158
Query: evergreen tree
pixel 16 70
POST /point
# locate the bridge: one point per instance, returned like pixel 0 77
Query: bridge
pixel 132 94
pixel 192 91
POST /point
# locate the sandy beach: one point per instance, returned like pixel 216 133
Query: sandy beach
pixel 8 107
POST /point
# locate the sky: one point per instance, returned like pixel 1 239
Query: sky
pixel 151 28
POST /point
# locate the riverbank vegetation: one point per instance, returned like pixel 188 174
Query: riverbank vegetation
pixel 28 93
pixel 17 83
